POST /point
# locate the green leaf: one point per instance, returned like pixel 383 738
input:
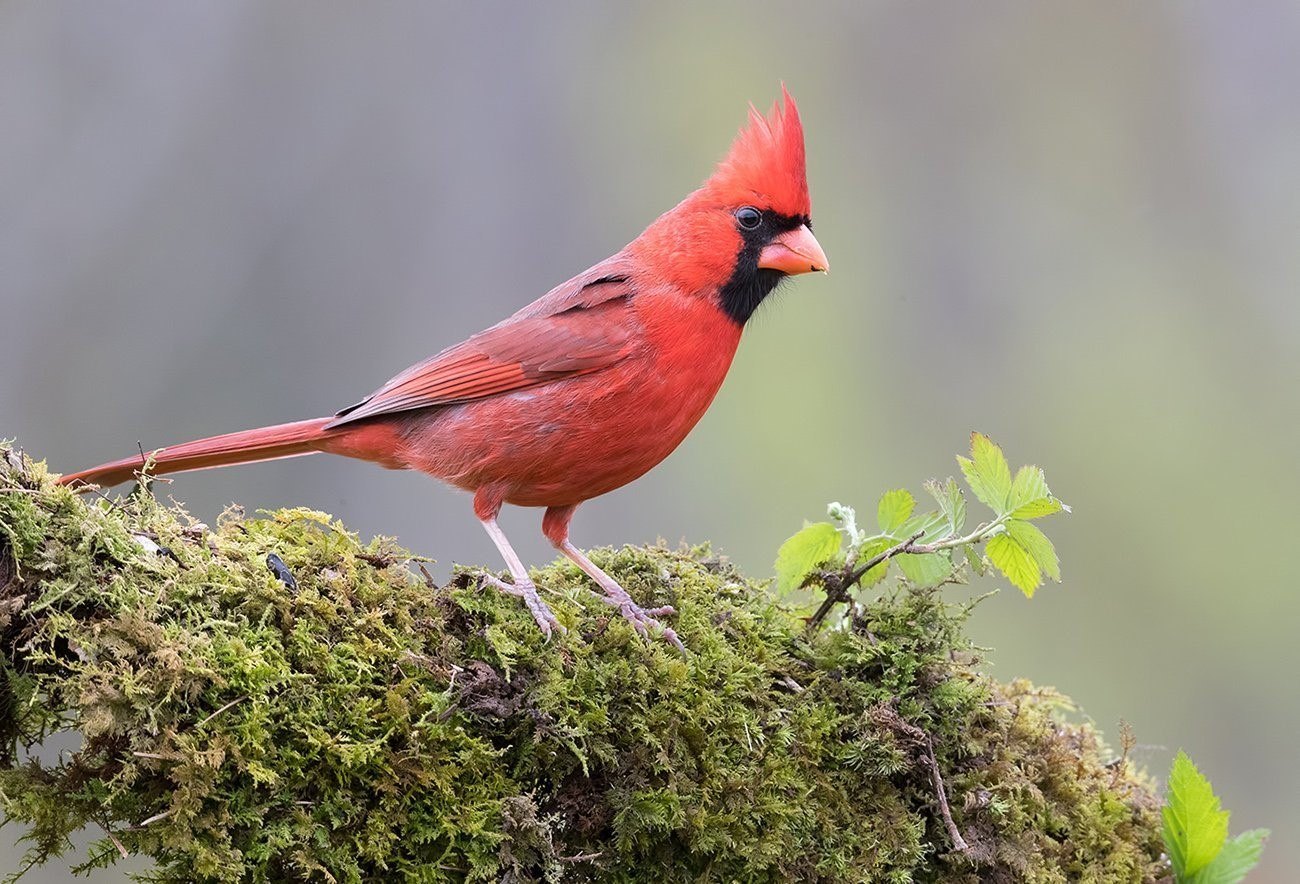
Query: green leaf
pixel 872 548
pixel 1036 509
pixel 1235 861
pixel 925 569
pixel 1015 562
pixel 1035 542
pixel 894 509
pixel 929 525
pixel 813 545
pixel 987 472
pixel 1030 497
pixel 1029 484
pixel 977 562
pixel 1195 826
pixel 952 503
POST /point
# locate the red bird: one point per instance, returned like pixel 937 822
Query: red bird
pixel 589 386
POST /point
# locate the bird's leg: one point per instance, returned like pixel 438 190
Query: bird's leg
pixel 523 585
pixel 555 525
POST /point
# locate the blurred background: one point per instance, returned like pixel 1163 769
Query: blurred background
pixel 1072 226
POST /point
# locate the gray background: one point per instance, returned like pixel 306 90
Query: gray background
pixel 1070 225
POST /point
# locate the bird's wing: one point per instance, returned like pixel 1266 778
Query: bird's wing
pixel 579 327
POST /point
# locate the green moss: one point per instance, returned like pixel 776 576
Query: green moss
pixel 366 725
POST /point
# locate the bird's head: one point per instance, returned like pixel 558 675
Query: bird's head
pixel 749 225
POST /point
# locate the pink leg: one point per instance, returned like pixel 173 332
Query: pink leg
pixel 523 585
pixel 555 525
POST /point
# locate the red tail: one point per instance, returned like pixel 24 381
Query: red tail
pixel 249 446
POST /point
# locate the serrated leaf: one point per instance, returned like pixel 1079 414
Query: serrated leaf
pixel 1015 563
pixel 1036 509
pixel 1235 861
pixel 1029 484
pixel 987 473
pixel 1195 826
pixel 976 561
pixel 935 487
pixel 811 546
pixel 952 503
pixel 925 569
pixel 1037 545
pixel 956 509
pixel 872 548
pixel 894 509
pixel 929 525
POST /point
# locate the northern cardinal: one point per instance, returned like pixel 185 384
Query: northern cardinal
pixel 589 386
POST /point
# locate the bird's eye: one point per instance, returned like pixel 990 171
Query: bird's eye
pixel 749 217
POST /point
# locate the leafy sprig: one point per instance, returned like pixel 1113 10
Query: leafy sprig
pixel 840 555
pixel 844 556
pixel 1195 831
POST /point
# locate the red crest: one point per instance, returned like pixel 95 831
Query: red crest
pixel 766 162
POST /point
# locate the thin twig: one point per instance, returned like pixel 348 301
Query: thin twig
pixel 111 837
pixel 789 683
pixel 838 585
pixel 233 702
pixel 155 818
pixel 428 578
pixel 958 842
pixel 837 589
pixel 909 545
pixel 579 858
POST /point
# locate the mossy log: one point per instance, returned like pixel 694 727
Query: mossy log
pixel 341 718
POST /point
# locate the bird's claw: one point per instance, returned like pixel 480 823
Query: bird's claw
pixel 644 619
pixel 546 620
pixel 507 588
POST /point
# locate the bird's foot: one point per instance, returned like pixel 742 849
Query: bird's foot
pixel 642 619
pixel 528 592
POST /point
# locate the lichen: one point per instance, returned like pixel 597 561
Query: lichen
pixel 367 725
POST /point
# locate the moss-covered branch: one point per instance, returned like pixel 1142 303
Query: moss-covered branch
pixel 364 724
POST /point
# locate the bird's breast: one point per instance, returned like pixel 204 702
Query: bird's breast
pixel 564 442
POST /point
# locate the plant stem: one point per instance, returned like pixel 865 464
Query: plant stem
pixel 838 586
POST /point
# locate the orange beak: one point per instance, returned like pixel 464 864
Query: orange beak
pixel 795 251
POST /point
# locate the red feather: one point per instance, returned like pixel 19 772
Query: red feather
pixel 580 326
pixel 766 161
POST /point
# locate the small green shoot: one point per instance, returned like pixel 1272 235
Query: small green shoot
pixel 923 543
pixel 1195 831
